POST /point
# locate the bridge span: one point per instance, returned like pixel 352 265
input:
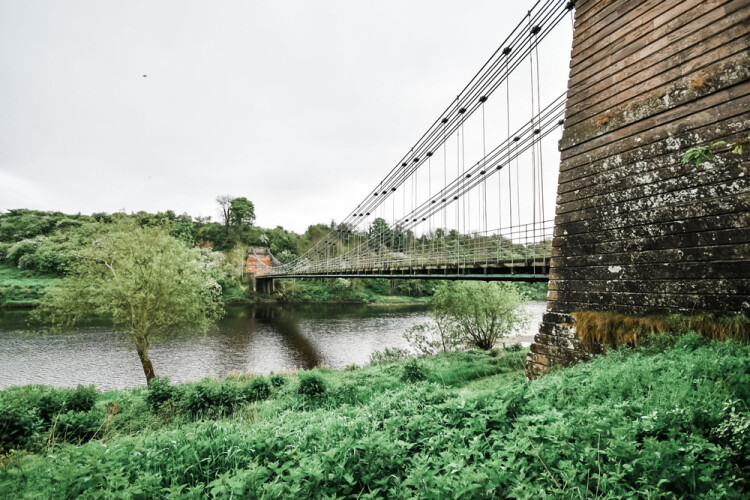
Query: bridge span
pixel 637 230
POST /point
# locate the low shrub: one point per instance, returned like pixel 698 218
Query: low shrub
pixel 311 385
pixel 207 399
pixel 631 424
pixel 413 371
pixel 160 392
pixel 257 390
pixel 17 427
pixel 78 426
pixel 277 380
pixel 54 402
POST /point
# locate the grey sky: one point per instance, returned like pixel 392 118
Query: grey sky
pixel 300 106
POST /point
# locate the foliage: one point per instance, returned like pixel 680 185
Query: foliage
pixel 17 426
pixel 22 287
pixel 708 152
pixel 241 212
pixel 632 424
pixel 277 380
pixel 413 371
pixel 210 400
pixel 146 281
pixel 354 290
pixel 311 385
pixel 389 355
pixel 160 392
pixel 470 313
pixel 433 337
pixel 533 291
pixel 258 390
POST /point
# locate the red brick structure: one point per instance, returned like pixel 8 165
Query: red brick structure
pixel 259 263
pixel 636 230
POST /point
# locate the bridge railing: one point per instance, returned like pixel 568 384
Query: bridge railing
pixel 523 245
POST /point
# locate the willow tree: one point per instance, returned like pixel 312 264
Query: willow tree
pixel 146 281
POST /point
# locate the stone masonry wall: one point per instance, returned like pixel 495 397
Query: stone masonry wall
pixel 636 230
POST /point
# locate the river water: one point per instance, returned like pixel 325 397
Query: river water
pixel 256 338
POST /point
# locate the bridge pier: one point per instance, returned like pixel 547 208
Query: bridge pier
pixel 637 231
pixel 265 285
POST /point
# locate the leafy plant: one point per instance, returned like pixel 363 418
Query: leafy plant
pixel 257 390
pixel 207 399
pixel 311 385
pixel 17 426
pixel 701 153
pixel 704 153
pixel 631 424
pixel 277 380
pixel 413 371
pixel 160 392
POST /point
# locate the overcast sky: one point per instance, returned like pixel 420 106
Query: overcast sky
pixel 300 106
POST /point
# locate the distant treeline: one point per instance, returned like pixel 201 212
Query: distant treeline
pixel 37 245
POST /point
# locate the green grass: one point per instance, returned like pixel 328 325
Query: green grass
pixel 21 288
pixel 669 420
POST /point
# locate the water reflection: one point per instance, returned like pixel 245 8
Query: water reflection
pixel 258 338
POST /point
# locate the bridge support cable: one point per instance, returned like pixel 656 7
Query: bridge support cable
pixel 503 155
pixel 417 221
pixel 548 119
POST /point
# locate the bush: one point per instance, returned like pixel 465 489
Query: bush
pixel 4 247
pixel 257 390
pixel 57 401
pixel 24 247
pixel 470 313
pixel 160 392
pixel 78 426
pixel 311 385
pixel 413 371
pixel 17 426
pixel 211 399
pixel 277 380
pixel 82 398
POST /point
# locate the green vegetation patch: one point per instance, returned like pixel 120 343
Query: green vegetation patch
pixel 667 420
pixel 22 287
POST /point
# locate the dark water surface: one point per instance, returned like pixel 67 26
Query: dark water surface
pixel 255 338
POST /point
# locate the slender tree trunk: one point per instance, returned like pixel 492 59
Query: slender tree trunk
pixel 148 368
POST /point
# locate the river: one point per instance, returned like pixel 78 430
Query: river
pixel 256 338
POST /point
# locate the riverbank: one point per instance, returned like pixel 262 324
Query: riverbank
pixel 23 289
pixel 666 420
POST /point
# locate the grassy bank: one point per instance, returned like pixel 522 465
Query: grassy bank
pixel 22 288
pixel 667 420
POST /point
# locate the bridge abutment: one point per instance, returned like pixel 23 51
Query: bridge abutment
pixel 637 231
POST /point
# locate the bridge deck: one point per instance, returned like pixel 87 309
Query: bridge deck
pixel 515 270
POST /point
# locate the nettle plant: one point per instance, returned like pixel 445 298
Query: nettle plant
pixel 709 152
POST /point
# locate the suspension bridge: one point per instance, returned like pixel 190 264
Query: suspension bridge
pixel 637 230
pixel 467 201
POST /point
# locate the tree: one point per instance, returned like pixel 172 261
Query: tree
pixel 146 281
pixel 474 313
pixel 379 233
pixel 241 212
pixel 225 203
